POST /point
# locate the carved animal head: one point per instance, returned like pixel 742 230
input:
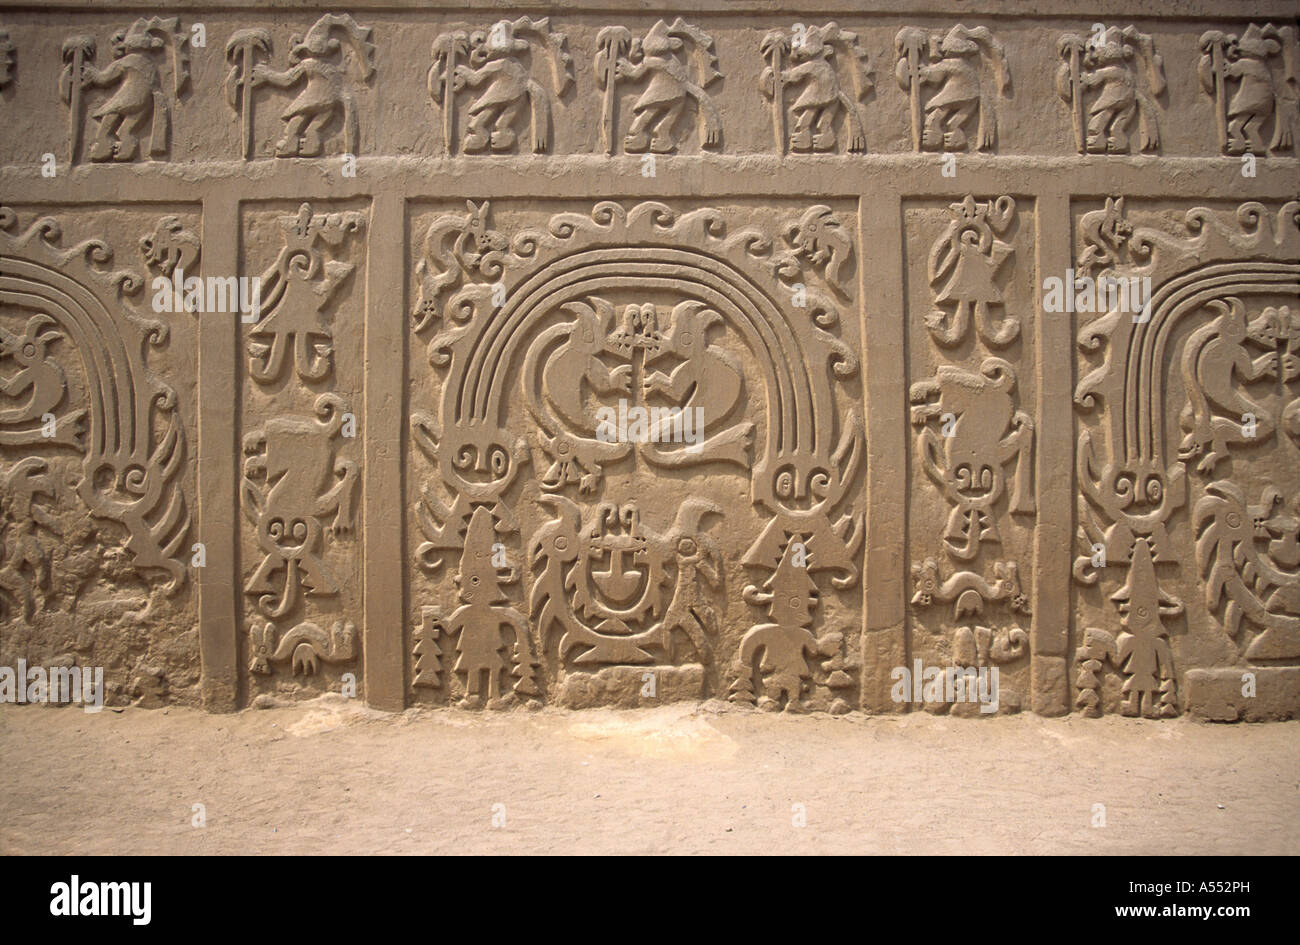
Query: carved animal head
pixel 1256 42
pixel 816 44
pixel 170 245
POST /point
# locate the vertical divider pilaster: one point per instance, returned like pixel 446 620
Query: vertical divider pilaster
pixel 1054 469
pixel 884 580
pixel 383 499
pixel 217 449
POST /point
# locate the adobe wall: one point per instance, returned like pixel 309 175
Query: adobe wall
pixel 752 353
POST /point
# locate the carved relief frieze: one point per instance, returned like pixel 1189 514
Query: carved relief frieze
pixel 968 70
pixel 974 442
pixel 1192 500
pixel 148 72
pixel 515 71
pixel 585 365
pixel 326 67
pixel 301 480
pixel 672 68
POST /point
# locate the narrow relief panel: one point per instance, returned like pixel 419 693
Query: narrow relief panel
pixel 636 454
pixel 97 420
pixel 301 389
pixel 1188 424
pixel 972 397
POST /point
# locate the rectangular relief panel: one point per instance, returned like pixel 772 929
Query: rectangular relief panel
pixel 97 445
pixel 301 387
pixel 972 395
pixel 1188 426
pixel 636 454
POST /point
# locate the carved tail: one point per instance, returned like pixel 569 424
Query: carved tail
pixel 539 103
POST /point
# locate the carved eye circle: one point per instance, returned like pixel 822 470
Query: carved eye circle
pixel 1233 519
pixel 474 581
pixel 1124 485
pixel 986 478
pixel 299 530
pixel 819 482
pixel 561 543
pixel 785 485
pixel 500 461
pixel 275 529
pixel 686 546
pixel 963 475
pixel 1142 612
pixel 1155 489
pixel 465 456
pixel 29 350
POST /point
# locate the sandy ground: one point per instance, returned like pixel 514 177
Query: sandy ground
pixel 330 776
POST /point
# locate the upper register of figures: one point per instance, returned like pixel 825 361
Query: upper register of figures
pixel 524 86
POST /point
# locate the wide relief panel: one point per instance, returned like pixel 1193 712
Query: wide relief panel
pixel 300 399
pixel 635 453
pixel 971 505
pixel 97 443
pixel 1187 580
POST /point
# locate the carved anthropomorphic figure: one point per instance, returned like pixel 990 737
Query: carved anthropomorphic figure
pixel 963 266
pixel 954 66
pixel 1104 62
pixel 1247 61
pixel 814 55
pixel 673 80
pixel 296 292
pixel 1143 646
pixel 781 647
pixel 984 433
pixel 484 610
pixel 138 97
pixel 496 59
pixel 293 484
pixel 318 62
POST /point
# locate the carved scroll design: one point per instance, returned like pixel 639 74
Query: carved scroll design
pixel 1211 275
pixel 538 306
pixel 502 60
pixel 128 434
pixel 972 440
